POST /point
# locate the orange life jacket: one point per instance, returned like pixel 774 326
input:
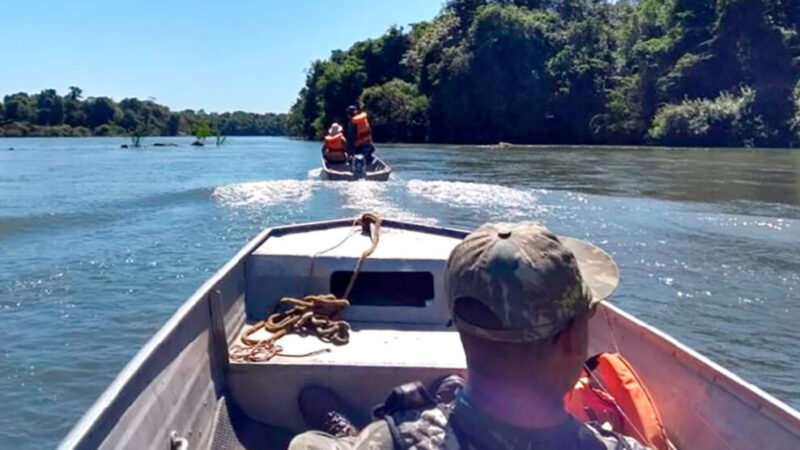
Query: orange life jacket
pixel 335 143
pixel 363 130
pixel 613 393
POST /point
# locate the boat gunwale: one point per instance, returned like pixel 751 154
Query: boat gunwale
pixel 749 394
pixel 115 390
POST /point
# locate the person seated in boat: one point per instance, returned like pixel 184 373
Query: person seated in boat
pixel 521 307
pixel 334 148
pixel 359 134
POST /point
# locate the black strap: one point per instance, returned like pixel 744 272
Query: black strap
pixel 616 435
pixel 623 441
pixel 407 397
pixel 452 422
pixel 397 438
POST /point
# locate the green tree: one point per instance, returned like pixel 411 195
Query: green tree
pixel 75 93
pixel 383 57
pixel 397 111
pixel 494 102
pixel 429 41
pixel 340 86
pixel 202 129
pixel 74 114
pixel 100 111
pixel 307 109
pixel 580 71
pixel 19 108
pixel 176 124
pixel 50 110
pixel 464 10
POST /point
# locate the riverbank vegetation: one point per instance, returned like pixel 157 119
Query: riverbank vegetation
pixel 671 72
pixel 50 114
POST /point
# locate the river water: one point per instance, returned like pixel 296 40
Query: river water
pixel 99 245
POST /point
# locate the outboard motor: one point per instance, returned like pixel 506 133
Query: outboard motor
pixel 359 166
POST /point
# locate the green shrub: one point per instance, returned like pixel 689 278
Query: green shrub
pixel 16 129
pixel 81 132
pixel 727 120
pixel 109 130
pixel 55 131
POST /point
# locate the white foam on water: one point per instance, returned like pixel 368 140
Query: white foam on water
pixel 371 196
pixel 315 174
pixel 500 200
pixel 265 193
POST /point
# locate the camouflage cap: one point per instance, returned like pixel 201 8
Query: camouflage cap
pixel 533 281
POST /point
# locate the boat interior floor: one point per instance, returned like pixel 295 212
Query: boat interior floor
pixel 234 430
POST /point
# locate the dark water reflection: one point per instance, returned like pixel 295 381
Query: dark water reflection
pixel 708 175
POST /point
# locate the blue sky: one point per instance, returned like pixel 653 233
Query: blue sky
pixel 218 55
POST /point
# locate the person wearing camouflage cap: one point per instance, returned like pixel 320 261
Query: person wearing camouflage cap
pixel 521 299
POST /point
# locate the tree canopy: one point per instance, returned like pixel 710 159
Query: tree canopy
pixel 671 72
pixel 49 114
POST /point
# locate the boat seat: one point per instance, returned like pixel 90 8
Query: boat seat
pixel 363 371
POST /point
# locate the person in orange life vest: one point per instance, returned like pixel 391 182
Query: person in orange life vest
pixel 334 148
pixel 359 133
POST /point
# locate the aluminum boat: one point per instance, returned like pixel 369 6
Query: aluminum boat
pixel 182 390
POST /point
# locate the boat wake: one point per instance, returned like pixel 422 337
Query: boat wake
pixel 265 193
pixel 499 201
pixel 397 199
pixel 315 174
pixel 374 196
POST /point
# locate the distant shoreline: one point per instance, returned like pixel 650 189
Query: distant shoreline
pixel 149 141
pixel 48 114
pixel 124 136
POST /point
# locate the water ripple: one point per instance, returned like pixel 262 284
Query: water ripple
pixel 265 193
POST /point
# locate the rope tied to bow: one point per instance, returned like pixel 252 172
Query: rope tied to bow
pixel 313 315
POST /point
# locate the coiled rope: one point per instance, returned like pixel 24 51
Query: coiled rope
pixel 313 315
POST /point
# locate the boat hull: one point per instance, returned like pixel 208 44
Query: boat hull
pixel 183 381
pixel 377 171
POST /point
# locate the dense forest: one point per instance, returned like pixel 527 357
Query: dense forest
pixel 671 72
pixel 49 114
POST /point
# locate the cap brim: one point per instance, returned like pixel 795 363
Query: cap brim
pixel 598 269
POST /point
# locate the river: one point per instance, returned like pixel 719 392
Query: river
pixel 99 245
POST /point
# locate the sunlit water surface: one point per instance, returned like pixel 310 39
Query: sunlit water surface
pixel 99 245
